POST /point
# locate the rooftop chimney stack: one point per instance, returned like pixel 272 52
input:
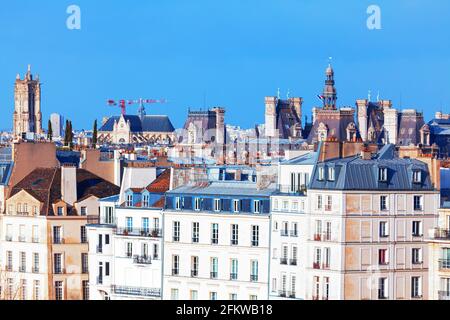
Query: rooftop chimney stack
pixel 69 184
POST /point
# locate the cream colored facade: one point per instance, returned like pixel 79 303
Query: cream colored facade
pixel 439 262
pixel 369 251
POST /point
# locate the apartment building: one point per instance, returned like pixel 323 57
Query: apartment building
pixel 216 240
pixel 44 242
pixel 126 247
pixel 377 208
pixel 439 260
pixel 289 228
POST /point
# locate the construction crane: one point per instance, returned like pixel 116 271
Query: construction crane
pixel 141 102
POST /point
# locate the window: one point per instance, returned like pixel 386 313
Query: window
pixel 329 204
pixel 316 288
pixel 416 255
pixel 23 287
pixel 145 200
pixel 318 233
pixel 155 251
pixel 194 295
pixel 197 204
pixel 23 262
pixel 129 249
pixel 285 205
pixel 22 233
pixel 35 262
pixel 57 235
pixel 129 224
pixel 382 174
pixel 9 261
pixel 195 232
pixel 234 269
pixel 284 254
pixel 331 174
pixel 256 206
pixel 274 284
pixel 194 266
pixel 417 229
pixel 383 203
pixel 327 233
pixel 109 215
pixel 214 267
pixel 383 229
pixel 174 294
pixel 213 295
pixel 37 290
pixel 383 257
pixel 255 236
pixel 83 234
pixel 214 233
pixel 293 261
pixel 85 285
pixel 60 211
pixel 129 202
pixel 217 205
pixel 106 238
pixel 236 206
pixel 175 265
pixel 35 234
pixel 59 290
pixel 416 287
pixel 234 234
pixel 275 204
pixel 382 288
pixel 84 263
pixel 417 176
pixel 317 258
pixel 321 173
pixel 254 271
pixel 176 231
pixel 319 202
pixel 326 288
pixel 294 229
pixel 83 211
pixel 145 226
pixel 253 297
pixel 418 203
pixel 178 203
pixel 293 283
pixel 233 296
pixel 58 263
pixel 326 258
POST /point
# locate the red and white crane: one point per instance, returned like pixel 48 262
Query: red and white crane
pixel 141 102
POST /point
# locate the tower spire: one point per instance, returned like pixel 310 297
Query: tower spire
pixel 329 91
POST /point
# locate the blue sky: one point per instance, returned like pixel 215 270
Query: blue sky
pixel 230 53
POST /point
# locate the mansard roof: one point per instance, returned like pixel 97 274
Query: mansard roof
pixel 148 123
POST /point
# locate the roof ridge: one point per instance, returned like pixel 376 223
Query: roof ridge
pixel 50 187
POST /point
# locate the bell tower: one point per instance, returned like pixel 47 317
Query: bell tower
pixel 27 116
pixel 329 91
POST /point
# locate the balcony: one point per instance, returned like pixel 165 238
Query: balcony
pixel 298 190
pixel 316 265
pixel 444 295
pixel 214 241
pixel 326 266
pixel 292 294
pixel 84 270
pixel 214 275
pixel 254 278
pixel 382 295
pixel 9 268
pixel 195 240
pixel 35 240
pixel 284 233
pixel 233 276
pixel 326 236
pixel 22 239
pixel 142 260
pixel 293 262
pixel 99 249
pixel 282 293
pixel 8 238
pixel 328 207
pixel 234 242
pixel 283 261
pixel 294 233
pixel 255 243
pixel 22 269
pixel 84 240
pixel 92 219
pixel 139 232
pixel 137 291
pixel 59 270
pixel 175 272
pixel 317 237
pixel 175 239
pixel 194 273
pixel 35 270
pixel 441 234
pixel 444 264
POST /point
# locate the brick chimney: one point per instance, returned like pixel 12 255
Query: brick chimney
pixel 366 154
pixel 69 184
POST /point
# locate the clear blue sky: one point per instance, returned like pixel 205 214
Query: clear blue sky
pixel 234 52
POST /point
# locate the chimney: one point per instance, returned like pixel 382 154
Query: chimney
pixel 366 154
pixel 69 184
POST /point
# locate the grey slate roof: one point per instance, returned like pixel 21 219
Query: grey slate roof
pixel 148 123
pixel 5 172
pixel 225 188
pixel 307 159
pixel 353 173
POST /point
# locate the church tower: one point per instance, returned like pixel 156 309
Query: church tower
pixel 27 105
pixel 329 92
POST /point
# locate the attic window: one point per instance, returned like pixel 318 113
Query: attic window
pixel 417 176
pixel 331 174
pixel 382 174
pixel 129 202
pixel 321 173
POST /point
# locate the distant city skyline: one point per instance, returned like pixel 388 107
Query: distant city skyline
pixel 230 54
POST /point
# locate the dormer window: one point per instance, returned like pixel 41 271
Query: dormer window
pixel 145 200
pixel 331 174
pixel 321 173
pixel 60 211
pixel 217 205
pixel 382 174
pixel 178 203
pixel 129 202
pixel 417 176
pixel 197 203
